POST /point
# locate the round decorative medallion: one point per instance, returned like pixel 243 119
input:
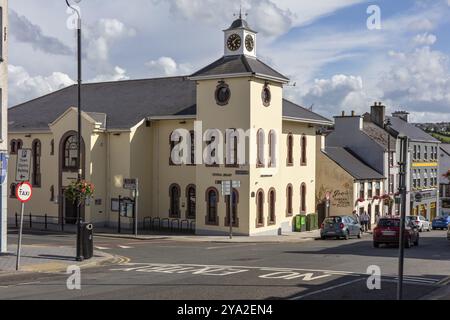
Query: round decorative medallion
pixel 266 95
pixel 223 94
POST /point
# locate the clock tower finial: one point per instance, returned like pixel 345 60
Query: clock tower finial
pixel 240 38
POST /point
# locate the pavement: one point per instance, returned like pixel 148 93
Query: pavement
pixel 286 237
pixel 46 259
pixel 161 269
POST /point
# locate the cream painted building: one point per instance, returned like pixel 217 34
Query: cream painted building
pixel 3 120
pixel 130 131
pixel 349 184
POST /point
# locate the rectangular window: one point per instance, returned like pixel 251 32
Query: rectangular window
pixel 377 189
pixel 391 159
pixel 419 153
pixel 362 191
pixel 425 153
pixel 392 183
pixel 370 190
pixel 415 152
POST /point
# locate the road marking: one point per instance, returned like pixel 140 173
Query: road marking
pixel 231 246
pixel 305 275
pixel 326 289
pixel 125 247
pixel 102 248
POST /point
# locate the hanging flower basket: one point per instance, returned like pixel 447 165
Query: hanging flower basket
pixel 447 174
pixel 360 200
pixel 79 192
pixel 376 198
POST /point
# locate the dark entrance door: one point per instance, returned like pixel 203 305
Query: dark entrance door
pixel 70 211
pixel 322 211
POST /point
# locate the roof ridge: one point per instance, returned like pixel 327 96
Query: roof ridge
pixel 134 80
pixel 301 107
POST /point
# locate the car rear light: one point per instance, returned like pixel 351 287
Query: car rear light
pixel 341 226
pixel 322 226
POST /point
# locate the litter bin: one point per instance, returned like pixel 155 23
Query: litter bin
pixel 303 223
pixel 87 239
pixel 312 222
pixel 297 224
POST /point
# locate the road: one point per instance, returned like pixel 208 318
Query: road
pixel 162 269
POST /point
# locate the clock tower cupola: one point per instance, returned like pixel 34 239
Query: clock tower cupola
pixel 240 39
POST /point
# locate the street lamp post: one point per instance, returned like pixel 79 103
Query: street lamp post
pixel 79 256
pixel 387 126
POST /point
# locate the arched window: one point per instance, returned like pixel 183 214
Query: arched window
pixel 212 199
pixel 289 196
pixel 260 208
pixel 260 148
pixel 52 147
pixel 234 210
pixel 303 148
pixel 19 145
pixel 71 153
pixel 36 175
pixel 13 147
pixel 290 150
pixel 52 194
pixel 12 190
pixel 191 202
pixel 273 149
pixel 174 194
pixel 272 212
pixel 303 198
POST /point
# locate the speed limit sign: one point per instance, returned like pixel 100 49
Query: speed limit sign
pixel 24 192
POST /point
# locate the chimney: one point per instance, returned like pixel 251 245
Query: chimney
pixel 378 114
pixel 402 115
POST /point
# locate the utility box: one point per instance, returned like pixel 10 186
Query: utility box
pixel 300 223
pixel 87 239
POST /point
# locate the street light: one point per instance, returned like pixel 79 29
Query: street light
pixel 387 127
pixel 79 257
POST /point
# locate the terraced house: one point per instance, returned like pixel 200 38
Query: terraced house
pixel 128 131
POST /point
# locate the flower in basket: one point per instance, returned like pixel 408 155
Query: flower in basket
pixel 361 200
pixel 79 191
pixel 447 174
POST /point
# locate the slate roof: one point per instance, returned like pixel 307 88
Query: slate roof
pixel 240 24
pixel 379 135
pixel 292 110
pixel 414 133
pixel 446 148
pixel 355 167
pixel 123 104
pixel 239 64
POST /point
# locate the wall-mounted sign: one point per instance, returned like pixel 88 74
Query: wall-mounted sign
pixel 130 184
pixel 23 165
pixel 3 167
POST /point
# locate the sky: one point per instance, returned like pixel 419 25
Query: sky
pixel 341 55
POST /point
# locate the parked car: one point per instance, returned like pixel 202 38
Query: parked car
pixel 421 222
pixel 340 227
pixel 388 232
pixel 441 223
pixel 448 233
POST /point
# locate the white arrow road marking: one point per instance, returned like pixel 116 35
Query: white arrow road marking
pixel 102 248
pixel 125 247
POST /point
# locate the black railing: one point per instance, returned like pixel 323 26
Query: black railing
pixel 167 224
pixel 30 220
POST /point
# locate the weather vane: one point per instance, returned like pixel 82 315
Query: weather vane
pixel 240 13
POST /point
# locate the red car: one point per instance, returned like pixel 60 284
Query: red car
pixel 388 232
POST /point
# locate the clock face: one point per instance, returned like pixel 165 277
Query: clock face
pixel 249 43
pixel 234 42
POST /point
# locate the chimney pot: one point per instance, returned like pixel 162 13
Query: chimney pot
pixel 343 113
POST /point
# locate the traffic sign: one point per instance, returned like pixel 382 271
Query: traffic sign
pixel 23 165
pixel 4 167
pixel 130 184
pixel 226 188
pixel 24 191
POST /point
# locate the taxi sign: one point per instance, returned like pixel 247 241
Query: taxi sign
pixel 24 192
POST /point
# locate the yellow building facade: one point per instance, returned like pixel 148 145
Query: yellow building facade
pixel 129 131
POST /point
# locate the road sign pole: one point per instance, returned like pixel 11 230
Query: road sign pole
pixel 136 198
pixel 19 243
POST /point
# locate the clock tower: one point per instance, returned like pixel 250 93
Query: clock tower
pixel 240 39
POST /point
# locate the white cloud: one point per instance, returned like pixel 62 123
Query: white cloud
pixel 425 39
pixel 23 86
pixel 418 80
pixel 118 74
pixel 102 35
pixel 166 66
pixel 340 92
